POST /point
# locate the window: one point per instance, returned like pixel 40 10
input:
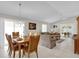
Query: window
pixel 44 27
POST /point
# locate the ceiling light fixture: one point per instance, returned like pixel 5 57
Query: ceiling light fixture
pixel 20 11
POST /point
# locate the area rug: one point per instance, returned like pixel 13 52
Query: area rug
pixel 61 40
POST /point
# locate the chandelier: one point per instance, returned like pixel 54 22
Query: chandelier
pixel 20 10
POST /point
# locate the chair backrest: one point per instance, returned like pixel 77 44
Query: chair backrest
pixel 15 34
pixel 33 42
pixel 9 39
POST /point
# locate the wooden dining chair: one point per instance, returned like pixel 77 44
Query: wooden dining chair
pixel 15 34
pixel 33 45
pixel 13 47
pixel 8 43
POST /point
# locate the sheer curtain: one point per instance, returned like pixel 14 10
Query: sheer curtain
pixel 9 27
pixel 12 26
pixel 19 27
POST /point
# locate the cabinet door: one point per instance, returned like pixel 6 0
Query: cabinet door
pixel 76 46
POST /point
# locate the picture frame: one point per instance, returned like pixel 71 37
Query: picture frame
pixel 32 26
pixel 54 26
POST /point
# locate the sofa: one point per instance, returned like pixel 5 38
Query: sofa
pixel 48 40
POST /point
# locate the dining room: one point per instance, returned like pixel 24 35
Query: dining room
pixel 24 25
pixel 16 36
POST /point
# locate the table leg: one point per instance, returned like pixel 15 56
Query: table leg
pixel 19 51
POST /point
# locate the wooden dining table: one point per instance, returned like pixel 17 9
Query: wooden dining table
pixel 20 43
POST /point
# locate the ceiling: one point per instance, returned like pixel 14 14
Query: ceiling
pixel 48 11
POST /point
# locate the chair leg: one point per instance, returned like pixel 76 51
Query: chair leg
pixel 9 52
pixel 8 49
pixel 28 55
pixel 36 53
pixel 23 53
pixel 13 54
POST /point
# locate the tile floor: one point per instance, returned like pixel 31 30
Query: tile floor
pixel 65 49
